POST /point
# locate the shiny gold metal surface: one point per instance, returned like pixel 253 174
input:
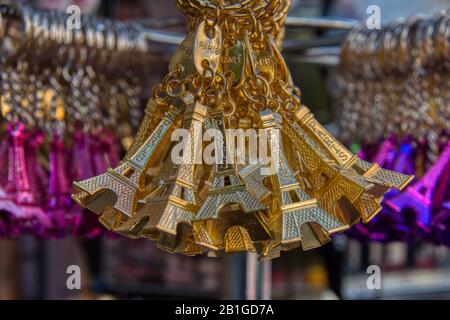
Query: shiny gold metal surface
pixel 229 74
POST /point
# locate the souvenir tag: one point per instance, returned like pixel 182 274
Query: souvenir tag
pixel 262 59
pixel 184 56
pixel 282 70
pixel 208 46
pixel 233 60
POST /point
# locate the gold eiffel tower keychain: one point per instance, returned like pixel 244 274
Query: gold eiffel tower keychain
pixel 228 75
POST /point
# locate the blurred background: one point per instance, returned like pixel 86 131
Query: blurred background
pixel 115 267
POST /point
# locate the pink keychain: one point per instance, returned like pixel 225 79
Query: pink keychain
pixel 21 183
pixel 59 203
pixel 100 152
pixel 8 207
pixel 114 149
pixel 83 224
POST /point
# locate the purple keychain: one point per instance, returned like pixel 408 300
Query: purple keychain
pixel 40 173
pixel 440 226
pixel 114 155
pixel 417 201
pixel 8 208
pixel 4 148
pixel 442 192
pixel 3 228
pixel 114 148
pixel 100 151
pixel 391 223
pixel 84 224
pixel 21 181
pixel 59 204
pixel 404 162
pixel 37 175
pixel 105 154
pixel 384 226
pixel 387 225
pixel 386 153
pixel 82 168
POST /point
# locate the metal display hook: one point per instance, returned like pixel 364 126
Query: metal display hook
pixel 149 28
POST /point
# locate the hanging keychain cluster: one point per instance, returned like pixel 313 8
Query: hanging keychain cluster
pixel 67 103
pixel 228 73
pixel 393 89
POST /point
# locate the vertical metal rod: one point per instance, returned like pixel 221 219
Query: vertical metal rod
pixel 266 275
pixel 236 276
pixel 259 278
pixel 252 285
pixel 248 278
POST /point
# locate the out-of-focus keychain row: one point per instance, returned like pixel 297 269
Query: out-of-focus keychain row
pixel 392 94
pixel 66 93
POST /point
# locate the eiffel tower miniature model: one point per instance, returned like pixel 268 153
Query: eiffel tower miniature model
pixel 419 197
pixel 371 172
pixel 302 220
pixel 8 195
pixel 21 193
pixel 168 211
pixel 231 218
pixel 337 190
pixel 235 70
pixel 128 179
pixel 251 175
pixel 110 217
